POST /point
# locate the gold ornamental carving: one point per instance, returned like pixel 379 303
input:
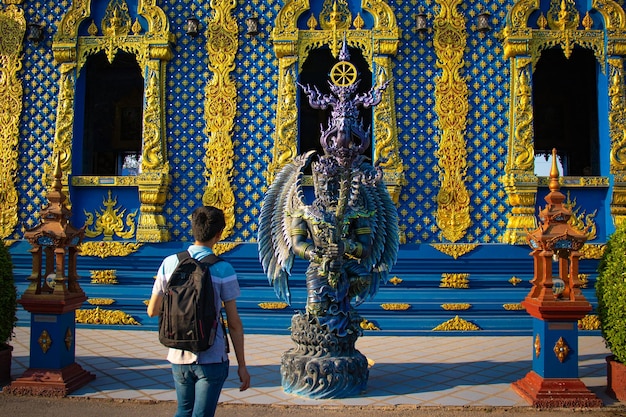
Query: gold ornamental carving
pixel 454 280
pixel 106 249
pixel 592 251
pixel 395 306
pixel 617 126
pixel 456 306
pixel 451 107
pixel 368 325
pixel 537 345
pixel 589 322
pixel 395 280
pixel 561 350
pixel 220 111
pixel 100 316
pixel 103 276
pixel 273 305
pixel 45 341
pixel 69 338
pixel 151 44
pixel 455 250
pixel 12 29
pixel 514 281
pixel 110 221
pixel 513 306
pixel 100 301
pixel 456 324
pixel 335 24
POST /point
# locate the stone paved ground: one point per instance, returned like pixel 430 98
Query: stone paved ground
pixel 15 406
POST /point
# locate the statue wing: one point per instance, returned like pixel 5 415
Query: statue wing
pixel 382 219
pixel 275 249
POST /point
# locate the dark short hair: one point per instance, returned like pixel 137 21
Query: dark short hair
pixel 206 222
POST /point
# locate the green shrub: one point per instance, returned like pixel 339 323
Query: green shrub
pixel 611 293
pixel 8 296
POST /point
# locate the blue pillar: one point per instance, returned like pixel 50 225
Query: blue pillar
pixel 551 335
pixel 52 340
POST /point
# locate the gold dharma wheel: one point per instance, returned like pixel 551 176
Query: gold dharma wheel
pixel 343 74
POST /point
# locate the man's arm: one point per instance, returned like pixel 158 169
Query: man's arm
pixel 154 306
pixel 235 328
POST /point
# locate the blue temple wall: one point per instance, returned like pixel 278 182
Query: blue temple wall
pixel 420 267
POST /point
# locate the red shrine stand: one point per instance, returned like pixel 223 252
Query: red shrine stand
pixel 556 304
pixel 52 300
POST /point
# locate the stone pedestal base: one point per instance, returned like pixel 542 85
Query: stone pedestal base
pixel 555 392
pixel 323 365
pixel 50 382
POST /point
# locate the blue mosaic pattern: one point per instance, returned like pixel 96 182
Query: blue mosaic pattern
pixel 40 79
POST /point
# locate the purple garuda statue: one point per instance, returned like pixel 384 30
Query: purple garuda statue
pixel 348 233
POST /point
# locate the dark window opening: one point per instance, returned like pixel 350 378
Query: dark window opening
pixel 112 135
pixel 316 72
pixel 566 112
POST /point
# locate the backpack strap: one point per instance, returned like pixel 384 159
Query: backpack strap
pixel 183 255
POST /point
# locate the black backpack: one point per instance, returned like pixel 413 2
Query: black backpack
pixel 188 319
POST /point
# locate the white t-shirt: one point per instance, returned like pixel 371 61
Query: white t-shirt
pixel 226 289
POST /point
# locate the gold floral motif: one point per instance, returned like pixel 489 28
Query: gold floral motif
pixel 583 279
pixel 273 305
pixel 395 306
pixel 513 306
pixel 12 28
pixel 220 111
pixel 456 323
pixel 110 221
pixel 368 325
pixel 561 349
pixel 537 345
pixel 104 276
pixel 451 280
pixel 100 316
pixel 456 306
pixel 395 280
pixel 45 341
pixel 455 250
pixel 106 249
pixel 100 301
pixel 589 322
pixel 451 106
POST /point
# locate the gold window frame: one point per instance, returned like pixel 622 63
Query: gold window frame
pixel 152 49
pixel 523 46
pixel 378 46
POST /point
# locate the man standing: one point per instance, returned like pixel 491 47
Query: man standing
pixel 199 376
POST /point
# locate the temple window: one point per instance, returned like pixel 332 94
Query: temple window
pixel 112 134
pixel 565 107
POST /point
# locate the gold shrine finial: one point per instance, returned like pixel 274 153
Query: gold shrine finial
pixel 554 173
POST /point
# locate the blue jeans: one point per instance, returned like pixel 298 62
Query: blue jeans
pixel 198 388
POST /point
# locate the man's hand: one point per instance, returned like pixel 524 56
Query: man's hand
pixel 244 378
